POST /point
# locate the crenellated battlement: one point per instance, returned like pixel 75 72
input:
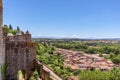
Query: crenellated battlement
pixel 18 37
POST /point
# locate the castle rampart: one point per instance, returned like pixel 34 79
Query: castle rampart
pixel 20 54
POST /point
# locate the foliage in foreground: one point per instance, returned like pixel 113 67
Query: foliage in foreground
pixel 3 71
pixel 100 75
pixel 20 75
pixel 34 76
pixel 54 61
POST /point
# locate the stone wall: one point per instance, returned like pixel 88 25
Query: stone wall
pixel 43 74
pixel 20 54
pixel 2 51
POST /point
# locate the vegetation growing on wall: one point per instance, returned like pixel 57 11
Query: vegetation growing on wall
pixel 20 75
pixel 34 76
pixel 3 71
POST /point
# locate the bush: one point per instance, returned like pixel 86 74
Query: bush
pixel 3 71
pixel 116 59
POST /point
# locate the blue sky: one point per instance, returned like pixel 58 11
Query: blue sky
pixel 65 18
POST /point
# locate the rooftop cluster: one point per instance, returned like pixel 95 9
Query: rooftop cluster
pixel 80 60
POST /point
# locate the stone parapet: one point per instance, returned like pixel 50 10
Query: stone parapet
pixel 19 55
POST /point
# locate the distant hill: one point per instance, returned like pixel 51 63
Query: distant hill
pixel 78 39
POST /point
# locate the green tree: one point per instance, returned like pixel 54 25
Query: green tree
pixel 18 29
pixel 10 27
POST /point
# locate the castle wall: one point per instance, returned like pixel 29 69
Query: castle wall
pixel 19 55
pixel 43 74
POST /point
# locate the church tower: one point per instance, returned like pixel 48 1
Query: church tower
pixel 1 38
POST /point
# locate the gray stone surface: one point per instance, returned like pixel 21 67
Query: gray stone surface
pixel 1 39
pixel 20 54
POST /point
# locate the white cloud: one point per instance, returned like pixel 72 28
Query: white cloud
pixel 75 36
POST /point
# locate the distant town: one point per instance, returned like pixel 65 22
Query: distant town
pixel 83 61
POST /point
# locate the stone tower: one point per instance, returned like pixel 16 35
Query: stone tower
pixel 1 39
pixel 20 54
